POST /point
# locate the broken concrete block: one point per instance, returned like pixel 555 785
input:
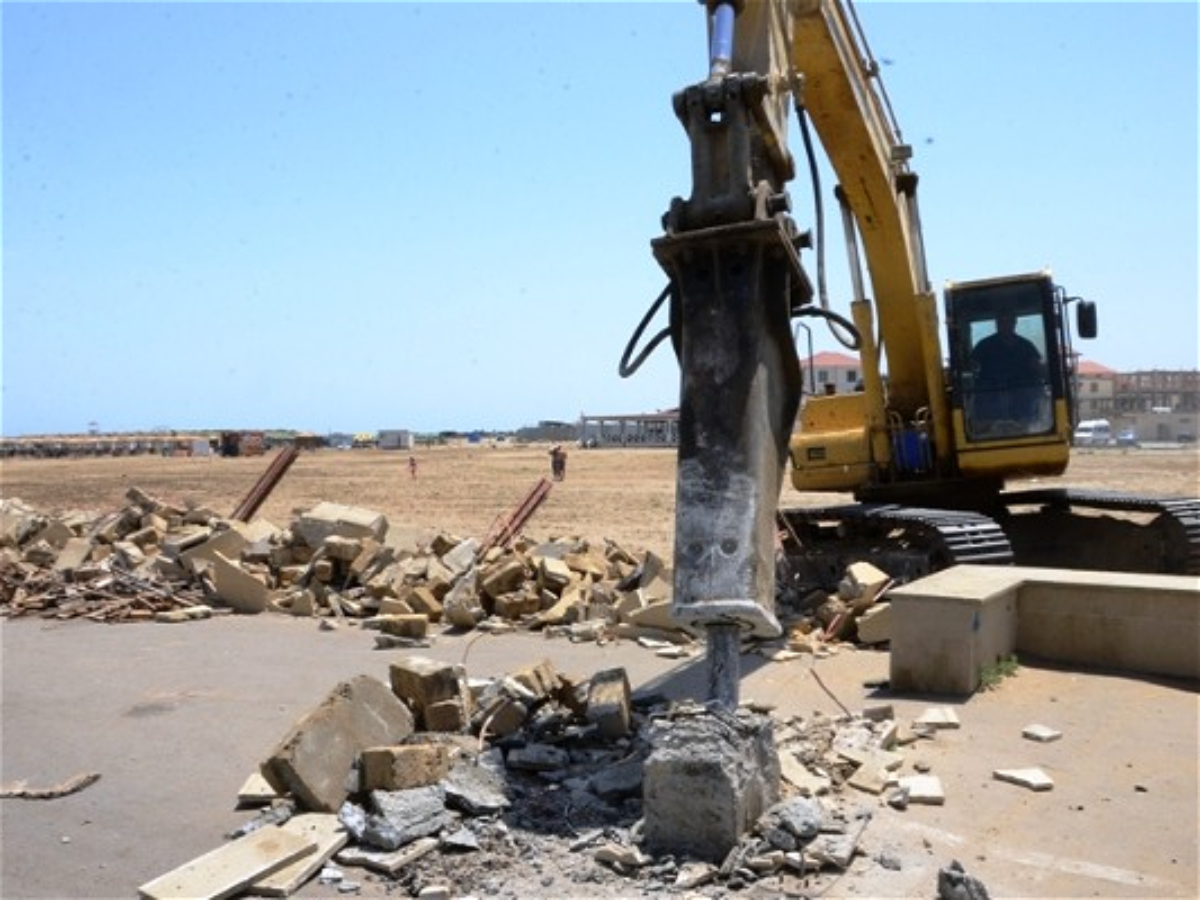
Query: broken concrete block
pixel 541 679
pixel 707 779
pixel 412 625
pixel 608 702
pixel 424 683
pixel 241 591
pixel 516 605
pixel 461 607
pixel 553 574
pixel 566 609
pixel 1034 779
pixel 342 548
pixel 461 557
pixel 315 761
pixel 475 787
pixel 393 606
pixel 806 782
pixel 875 625
pixel 75 553
pixel 590 562
pixel 503 577
pixel 870 778
pixel 423 600
pixel 398 768
pixel 230 868
pixel 862 584
pixel 229 544
pixel 413 813
pixel 255 791
pixel 500 716
pixel 56 533
pixel 326 519
pixel 18 521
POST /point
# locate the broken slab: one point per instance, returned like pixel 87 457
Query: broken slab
pixel 923 789
pixel 389 864
pixel 316 760
pixel 1043 734
pixel 240 590
pixel 329 835
pixel 937 717
pixel 1034 779
pixel 328 519
pixel 231 868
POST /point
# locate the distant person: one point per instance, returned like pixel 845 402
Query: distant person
pixel 558 462
pixel 1008 373
pixel 412 467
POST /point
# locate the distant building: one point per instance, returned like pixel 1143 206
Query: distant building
pixel 660 429
pixel 395 439
pixel 831 373
pixel 1095 391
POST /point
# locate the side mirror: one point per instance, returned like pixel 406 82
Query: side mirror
pixel 1085 319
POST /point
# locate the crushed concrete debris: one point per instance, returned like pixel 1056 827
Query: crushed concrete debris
pixel 528 784
pixel 158 561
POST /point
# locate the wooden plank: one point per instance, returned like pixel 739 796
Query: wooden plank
pixel 330 835
pixel 230 868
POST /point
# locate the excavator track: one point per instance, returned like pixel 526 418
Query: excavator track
pixel 906 542
pixel 1147 534
pixel 1055 528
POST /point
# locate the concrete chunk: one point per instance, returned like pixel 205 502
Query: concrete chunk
pixel 236 587
pixel 608 702
pixel 707 779
pixel 423 682
pixel 327 519
pixel 406 766
pixel 315 761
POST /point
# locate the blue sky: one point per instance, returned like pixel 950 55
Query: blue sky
pixel 356 216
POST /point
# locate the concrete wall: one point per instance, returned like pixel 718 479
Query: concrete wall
pixel 948 628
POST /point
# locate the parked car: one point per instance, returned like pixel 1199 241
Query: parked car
pixel 1127 438
pixel 1093 433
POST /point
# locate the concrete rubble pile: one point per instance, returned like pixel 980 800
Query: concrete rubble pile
pixel 154 560
pixel 531 784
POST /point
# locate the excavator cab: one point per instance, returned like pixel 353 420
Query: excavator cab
pixel 1011 365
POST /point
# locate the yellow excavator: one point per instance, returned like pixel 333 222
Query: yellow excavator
pixel 927 442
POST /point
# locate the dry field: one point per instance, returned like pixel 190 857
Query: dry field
pixel 624 495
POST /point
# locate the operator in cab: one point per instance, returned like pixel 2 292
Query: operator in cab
pixel 1009 374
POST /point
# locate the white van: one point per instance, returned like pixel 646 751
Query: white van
pixel 1093 433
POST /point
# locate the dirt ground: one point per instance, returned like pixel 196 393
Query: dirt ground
pixel 625 495
pixel 175 717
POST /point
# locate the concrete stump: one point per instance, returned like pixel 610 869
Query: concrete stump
pixel 708 778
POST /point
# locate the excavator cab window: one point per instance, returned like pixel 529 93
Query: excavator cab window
pixel 1003 354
